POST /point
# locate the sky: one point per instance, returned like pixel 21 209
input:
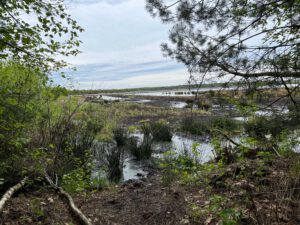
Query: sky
pixel 121 47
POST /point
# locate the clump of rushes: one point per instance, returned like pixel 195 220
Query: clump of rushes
pixel 114 164
pixel 161 130
pixel 202 127
pixel 224 123
pixel 142 150
pixel 145 127
pixel 120 136
pixel 193 126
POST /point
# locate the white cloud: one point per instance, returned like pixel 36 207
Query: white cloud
pixel 118 34
pixel 153 80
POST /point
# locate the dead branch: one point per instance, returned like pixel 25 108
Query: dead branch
pixel 84 220
pixel 10 192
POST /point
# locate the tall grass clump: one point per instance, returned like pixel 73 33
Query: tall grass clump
pixel 161 131
pixel 115 165
pixel 111 160
pixel 192 126
pixel 141 150
pixel 145 127
pixel 224 123
pixel 120 136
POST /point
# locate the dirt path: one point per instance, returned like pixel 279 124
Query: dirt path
pixel 137 203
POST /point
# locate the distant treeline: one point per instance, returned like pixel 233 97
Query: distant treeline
pixel 143 89
pixel 96 91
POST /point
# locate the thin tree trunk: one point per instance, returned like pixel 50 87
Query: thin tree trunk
pixel 9 193
pixel 71 203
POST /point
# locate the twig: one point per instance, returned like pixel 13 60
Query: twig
pixel 84 220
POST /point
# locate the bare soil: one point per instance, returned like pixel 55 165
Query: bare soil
pixel 136 202
pixel 264 193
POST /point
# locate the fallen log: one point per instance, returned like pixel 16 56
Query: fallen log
pixel 83 219
pixel 10 192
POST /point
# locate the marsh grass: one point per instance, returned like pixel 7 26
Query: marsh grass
pixel 161 130
pixel 115 165
pixel 120 136
pixel 193 126
pixel 141 150
pixel 111 160
pixel 201 127
pixel 224 123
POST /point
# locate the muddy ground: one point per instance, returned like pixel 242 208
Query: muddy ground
pixel 261 198
pixel 144 201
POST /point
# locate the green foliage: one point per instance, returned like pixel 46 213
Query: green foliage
pixel 20 91
pixel 169 168
pixel 38 43
pixel 288 142
pixel 223 45
pixel 184 166
pixel 218 207
pixel 75 181
pixel 36 208
pixel 100 183
pixel 40 127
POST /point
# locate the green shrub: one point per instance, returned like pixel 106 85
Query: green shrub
pixel 75 181
pixel 183 166
pixel 169 168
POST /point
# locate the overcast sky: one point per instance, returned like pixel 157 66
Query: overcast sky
pixel 121 47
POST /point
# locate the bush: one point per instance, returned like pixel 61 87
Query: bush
pixel 161 131
pixel 75 181
pixel 184 166
pixel 21 91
